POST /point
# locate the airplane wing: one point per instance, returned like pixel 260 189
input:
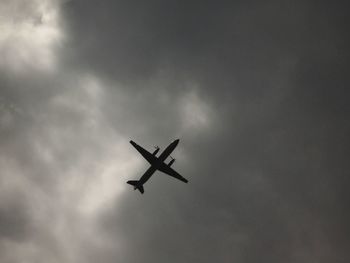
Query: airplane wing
pixel 146 154
pixel 169 171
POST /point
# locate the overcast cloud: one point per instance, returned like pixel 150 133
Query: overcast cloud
pixel 257 92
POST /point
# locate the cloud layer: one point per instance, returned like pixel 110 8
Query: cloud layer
pixel 256 92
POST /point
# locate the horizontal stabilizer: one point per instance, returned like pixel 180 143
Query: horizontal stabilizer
pixel 132 182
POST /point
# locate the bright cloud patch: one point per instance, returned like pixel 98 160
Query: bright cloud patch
pixel 29 33
pixel 73 169
pixel 75 124
pixel 195 113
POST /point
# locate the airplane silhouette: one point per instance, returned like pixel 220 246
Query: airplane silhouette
pixel 157 163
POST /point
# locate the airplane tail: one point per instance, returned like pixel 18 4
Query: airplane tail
pixel 136 186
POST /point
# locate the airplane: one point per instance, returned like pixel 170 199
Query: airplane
pixel 157 163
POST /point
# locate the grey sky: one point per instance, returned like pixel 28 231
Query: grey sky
pixel 256 91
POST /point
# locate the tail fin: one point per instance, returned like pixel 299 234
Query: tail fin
pixel 136 186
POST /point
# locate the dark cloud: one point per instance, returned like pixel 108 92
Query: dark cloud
pixel 14 219
pixel 255 91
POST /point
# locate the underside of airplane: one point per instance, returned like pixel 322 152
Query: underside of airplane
pixel 157 163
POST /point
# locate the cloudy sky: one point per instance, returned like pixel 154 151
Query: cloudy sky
pixel 257 92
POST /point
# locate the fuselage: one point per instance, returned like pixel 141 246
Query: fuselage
pixel 154 166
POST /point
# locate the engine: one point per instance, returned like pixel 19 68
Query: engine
pixel 156 151
pixel 171 162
